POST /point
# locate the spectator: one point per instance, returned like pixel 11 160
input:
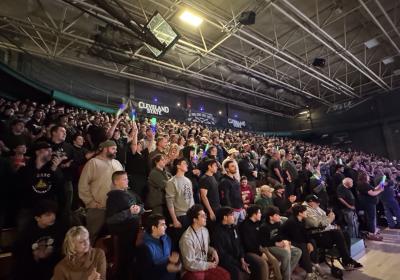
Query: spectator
pixel 136 163
pixel 226 241
pixel 193 172
pixel 200 261
pixel 337 179
pixel 123 210
pixel 63 149
pixel 232 155
pixel 325 234
pixel 38 249
pixel 179 198
pixel 295 231
pixel 18 158
pixel 81 261
pixel 368 196
pixel 161 146
pixel 80 155
pixel 16 134
pixel 258 257
pixel 220 151
pixel 39 179
pixel 283 203
pixel 291 173
pixel 209 193
pixel 275 173
pixel 230 192
pixel 388 198
pixel 246 192
pixel 247 168
pixel 159 261
pixel 96 134
pixel 280 248
pixel 264 198
pixel 95 183
pixel 348 207
pixel 157 182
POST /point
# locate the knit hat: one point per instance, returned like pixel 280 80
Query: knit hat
pixel 106 144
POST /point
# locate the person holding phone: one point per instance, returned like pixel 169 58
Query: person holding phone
pixel 388 198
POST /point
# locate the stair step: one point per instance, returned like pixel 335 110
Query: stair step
pixel 357 247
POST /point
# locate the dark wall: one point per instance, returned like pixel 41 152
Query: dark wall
pixel 109 90
pixel 373 126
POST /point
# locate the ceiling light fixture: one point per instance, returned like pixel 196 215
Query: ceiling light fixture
pixel 388 60
pixel 191 19
pixel 371 43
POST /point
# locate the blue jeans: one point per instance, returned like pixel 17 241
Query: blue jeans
pixel 392 208
pixel 370 214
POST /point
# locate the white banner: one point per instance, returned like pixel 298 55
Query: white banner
pixel 204 118
pixel 153 109
pixel 236 123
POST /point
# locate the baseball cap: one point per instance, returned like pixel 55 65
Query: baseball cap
pixel 312 198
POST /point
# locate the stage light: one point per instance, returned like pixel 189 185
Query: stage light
pixel 201 108
pixel 235 116
pixel 191 19
pixel 178 104
pixel 247 18
pixel 155 99
pixel 219 112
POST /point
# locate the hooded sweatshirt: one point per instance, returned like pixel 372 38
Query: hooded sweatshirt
pixel 118 210
pixel 82 268
pixel 95 181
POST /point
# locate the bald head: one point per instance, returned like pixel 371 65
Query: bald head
pixel 347 182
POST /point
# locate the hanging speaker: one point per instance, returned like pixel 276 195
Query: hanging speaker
pixel 319 62
pixel 247 18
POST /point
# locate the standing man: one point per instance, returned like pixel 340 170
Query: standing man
pixel 230 192
pixel 64 149
pixel 348 207
pixel 179 198
pixel 95 183
pixel 209 193
pixel 232 155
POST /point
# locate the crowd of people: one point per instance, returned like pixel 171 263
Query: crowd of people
pixel 214 204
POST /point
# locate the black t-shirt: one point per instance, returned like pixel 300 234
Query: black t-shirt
pixel 273 163
pixel 37 184
pixel 137 163
pixel 97 135
pixel 211 185
pixel 364 196
pixel 345 194
pixel 37 250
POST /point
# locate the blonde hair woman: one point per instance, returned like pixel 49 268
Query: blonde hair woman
pixel 81 262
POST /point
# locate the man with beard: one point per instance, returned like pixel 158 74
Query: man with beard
pixel 95 183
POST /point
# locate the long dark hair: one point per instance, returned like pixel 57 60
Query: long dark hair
pixel 362 178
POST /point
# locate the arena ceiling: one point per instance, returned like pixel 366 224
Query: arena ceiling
pixel 265 67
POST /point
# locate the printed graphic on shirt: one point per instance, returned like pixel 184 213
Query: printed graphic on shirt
pixel 43 248
pixel 187 191
pixel 43 183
